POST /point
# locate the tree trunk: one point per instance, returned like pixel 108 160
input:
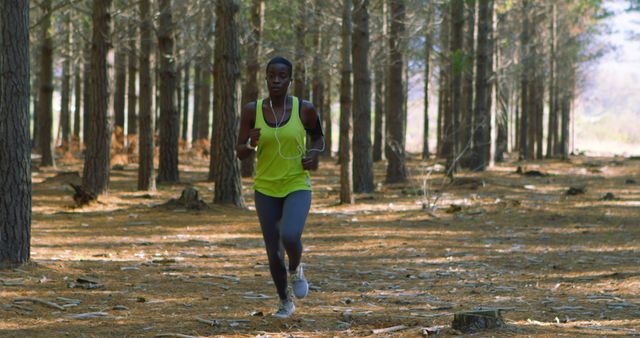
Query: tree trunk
pixel 566 115
pixel 456 43
pixel 86 94
pixel 77 96
pixel 467 112
pixel 395 116
pixel 327 119
pixel 65 88
pixel 15 148
pixel 197 72
pixel 427 80
pixel 524 83
pixel 185 101
pixel 251 91
pixel 481 111
pixel 346 180
pixel 378 107
pixel 132 99
pixel 362 156
pixel 145 138
pixel 169 121
pixel 120 65
pixel 445 115
pixel 228 185
pixel 204 108
pixel 553 120
pixel 95 178
pixel 300 31
pixel 45 111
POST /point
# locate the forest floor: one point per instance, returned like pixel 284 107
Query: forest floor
pixel 556 264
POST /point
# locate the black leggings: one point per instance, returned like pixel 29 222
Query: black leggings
pixel 282 221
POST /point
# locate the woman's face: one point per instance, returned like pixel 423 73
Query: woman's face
pixel 278 78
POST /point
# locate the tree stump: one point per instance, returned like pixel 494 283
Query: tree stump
pixel 477 320
pixel 82 197
pixel 189 199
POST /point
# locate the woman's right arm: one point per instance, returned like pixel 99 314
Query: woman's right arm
pixel 247 122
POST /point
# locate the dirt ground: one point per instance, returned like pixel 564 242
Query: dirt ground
pixel 555 264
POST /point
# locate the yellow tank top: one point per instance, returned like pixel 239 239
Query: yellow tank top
pixel 279 155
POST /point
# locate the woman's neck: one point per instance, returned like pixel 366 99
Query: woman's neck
pixel 278 101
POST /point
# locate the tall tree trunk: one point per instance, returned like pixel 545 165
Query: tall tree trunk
pixel 346 180
pixel 204 110
pixel 65 88
pixel 300 31
pixel 467 112
pixel 146 148
pixel 444 115
pixel 250 92
pixel 553 120
pixel 185 101
pixel 427 80
pixel 95 176
pixel 169 121
pixel 503 105
pixel 120 65
pixel 86 94
pixel 34 92
pixel 77 96
pixel 228 185
pixel 481 111
pixel 197 72
pixel 524 83
pixel 362 156
pixel 491 84
pixel 453 137
pixel 327 119
pixel 45 113
pixel 395 116
pixel 15 149
pixel 566 116
pixel 378 107
pixel 132 64
pixel 319 43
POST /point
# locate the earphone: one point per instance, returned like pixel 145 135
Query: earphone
pixel 300 148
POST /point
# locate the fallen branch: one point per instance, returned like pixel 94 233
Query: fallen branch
pixel 89 315
pixel 179 335
pixel 390 329
pixel 208 322
pixel 39 301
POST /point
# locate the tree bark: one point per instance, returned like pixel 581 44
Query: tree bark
pixel 467 112
pixel 427 81
pixel 95 178
pixel 453 136
pixel 197 72
pixel 300 31
pixel 204 100
pixel 15 147
pixel 185 101
pixel 481 111
pixel 65 87
pixel 86 94
pixel 445 120
pixel 553 120
pixel 524 84
pixel 346 180
pixel 169 119
pixel 228 185
pixel 132 98
pixel 362 155
pixel 120 65
pixel 378 107
pixel 77 82
pixel 251 91
pixel 45 97
pixel 146 148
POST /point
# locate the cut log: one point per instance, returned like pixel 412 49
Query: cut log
pixel 189 199
pixel 477 320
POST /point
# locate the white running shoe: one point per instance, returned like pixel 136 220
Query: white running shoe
pixel 299 283
pixel 286 309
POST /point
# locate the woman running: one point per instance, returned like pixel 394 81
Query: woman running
pixel 276 128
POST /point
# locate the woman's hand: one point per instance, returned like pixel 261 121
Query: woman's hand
pixel 254 136
pixel 310 161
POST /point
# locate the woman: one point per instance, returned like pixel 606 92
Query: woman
pixel 276 129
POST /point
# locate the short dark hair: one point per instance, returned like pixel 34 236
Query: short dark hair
pixel 281 60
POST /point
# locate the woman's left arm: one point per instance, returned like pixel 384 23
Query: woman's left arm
pixel 313 126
